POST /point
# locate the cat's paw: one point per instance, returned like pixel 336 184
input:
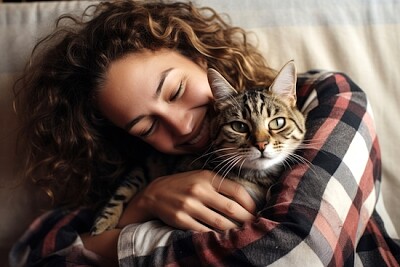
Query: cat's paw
pixel 105 221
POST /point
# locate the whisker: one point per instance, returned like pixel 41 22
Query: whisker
pixel 295 158
pixel 228 167
pixel 223 163
pixel 226 160
pixel 231 164
pixel 241 165
pixel 209 155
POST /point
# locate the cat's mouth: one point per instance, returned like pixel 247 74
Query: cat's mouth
pixel 265 156
pixel 260 163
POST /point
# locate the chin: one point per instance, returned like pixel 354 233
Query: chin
pixel 182 151
pixel 176 152
pixel 261 163
pixel 196 148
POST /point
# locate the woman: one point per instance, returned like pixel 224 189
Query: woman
pixel 98 91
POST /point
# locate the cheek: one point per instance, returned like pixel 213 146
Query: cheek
pixel 162 142
pixel 200 90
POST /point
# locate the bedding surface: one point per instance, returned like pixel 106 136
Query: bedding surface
pixel 359 38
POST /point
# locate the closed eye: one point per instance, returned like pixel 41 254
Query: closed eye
pixel 177 93
pixel 148 131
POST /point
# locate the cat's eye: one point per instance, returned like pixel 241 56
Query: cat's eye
pixel 277 123
pixel 240 127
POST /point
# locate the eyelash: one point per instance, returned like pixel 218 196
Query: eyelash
pixel 175 96
pixel 149 131
pixel 177 93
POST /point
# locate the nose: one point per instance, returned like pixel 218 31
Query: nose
pixel 179 122
pixel 261 145
pixel 261 140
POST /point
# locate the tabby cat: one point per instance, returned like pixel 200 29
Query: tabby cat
pixel 253 134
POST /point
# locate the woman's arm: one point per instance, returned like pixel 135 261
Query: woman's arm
pixel 322 206
pixel 105 245
pixel 189 201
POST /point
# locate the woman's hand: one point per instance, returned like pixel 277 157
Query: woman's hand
pixel 190 200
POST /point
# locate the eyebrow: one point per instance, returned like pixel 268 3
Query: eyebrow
pixel 135 120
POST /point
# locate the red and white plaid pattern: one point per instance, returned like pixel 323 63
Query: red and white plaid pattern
pixel 322 214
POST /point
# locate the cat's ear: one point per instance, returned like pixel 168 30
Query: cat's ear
pixel 285 83
pixel 220 87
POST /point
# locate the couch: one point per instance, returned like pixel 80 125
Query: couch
pixel 360 38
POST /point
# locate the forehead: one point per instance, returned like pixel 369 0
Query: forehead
pixel 132 79
pixel 255 102
pixel 136 64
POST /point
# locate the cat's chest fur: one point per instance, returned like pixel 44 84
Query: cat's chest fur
pixel 255 181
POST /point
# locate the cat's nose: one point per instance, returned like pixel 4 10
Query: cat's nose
pixel 261 145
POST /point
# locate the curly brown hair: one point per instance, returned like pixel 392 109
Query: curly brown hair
pixel 71 150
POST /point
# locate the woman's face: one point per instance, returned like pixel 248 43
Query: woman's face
pixel 161 97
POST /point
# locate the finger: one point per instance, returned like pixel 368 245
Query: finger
pixel 213 219
pixel 185 222
pixel 229 208
pixel 235 191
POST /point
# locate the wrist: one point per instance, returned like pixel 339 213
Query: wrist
pixel 137 211
pixel 104 245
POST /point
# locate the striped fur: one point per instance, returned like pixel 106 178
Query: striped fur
pixel 253 133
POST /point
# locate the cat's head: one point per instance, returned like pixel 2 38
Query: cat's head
pixel 258 128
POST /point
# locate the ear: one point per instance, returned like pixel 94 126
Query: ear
pixel 220 88
pixel 285 83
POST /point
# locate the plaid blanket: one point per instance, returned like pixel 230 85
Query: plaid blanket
pixel 323 213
